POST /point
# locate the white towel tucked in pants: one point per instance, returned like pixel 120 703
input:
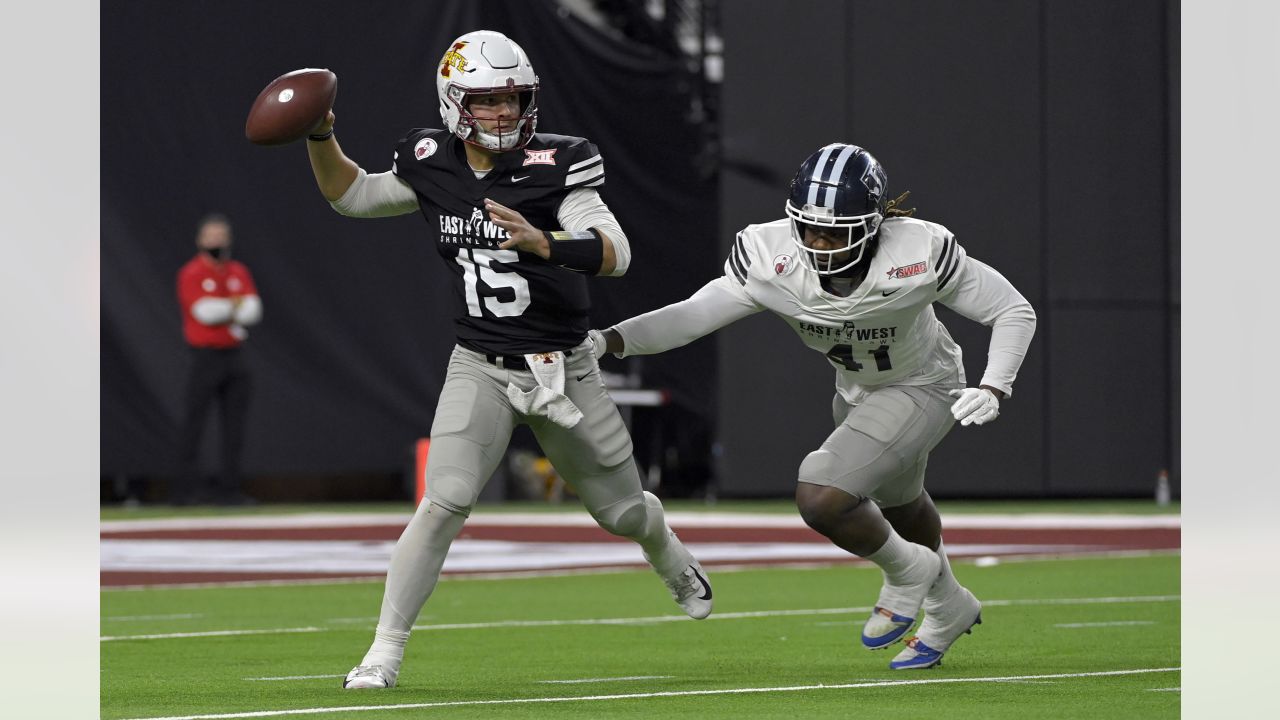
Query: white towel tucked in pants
pixel 547 398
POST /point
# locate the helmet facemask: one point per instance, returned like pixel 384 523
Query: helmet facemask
pixel 509 134
pixel 839 187
pixel 858 230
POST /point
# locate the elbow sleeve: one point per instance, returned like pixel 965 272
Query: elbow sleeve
pixel 621 248
pixel 380 195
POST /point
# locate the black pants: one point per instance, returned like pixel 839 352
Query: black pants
pixel 220 375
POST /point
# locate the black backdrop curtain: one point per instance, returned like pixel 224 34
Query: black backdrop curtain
pixel 350 356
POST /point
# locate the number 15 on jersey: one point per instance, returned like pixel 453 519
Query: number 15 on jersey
pixel 477 269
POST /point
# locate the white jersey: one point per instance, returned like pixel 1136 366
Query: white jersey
pixel 884 333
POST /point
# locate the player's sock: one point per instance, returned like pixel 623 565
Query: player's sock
pixel 387 649
pixel 656 536
pixel 909 570
pixel 946 584
pixel 900 561
pixel 679 570
pixel 415 568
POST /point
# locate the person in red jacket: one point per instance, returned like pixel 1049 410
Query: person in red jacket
pixel 218 300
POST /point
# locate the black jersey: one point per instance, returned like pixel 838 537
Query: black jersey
pixel 508 302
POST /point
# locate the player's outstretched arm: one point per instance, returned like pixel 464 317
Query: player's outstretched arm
pixel 718 303
pixel 606 341
pixel 334 171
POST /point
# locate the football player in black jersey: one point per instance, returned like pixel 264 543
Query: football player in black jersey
pixel 519 224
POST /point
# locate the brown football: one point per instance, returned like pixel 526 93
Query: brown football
pixel 291 106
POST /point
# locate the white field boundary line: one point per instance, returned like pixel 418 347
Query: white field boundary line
pixel 649 620
pixel 214 633
pixel 669 694
pixel 677 520
pixel 853 561
pixel 628 678
pixel 1112 623
pixel 294 677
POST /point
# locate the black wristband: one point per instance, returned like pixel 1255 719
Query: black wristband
pixel 321 138
pixel 577 250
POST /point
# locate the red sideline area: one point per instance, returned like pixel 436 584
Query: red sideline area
pixel 1074 540
pixel 1122 538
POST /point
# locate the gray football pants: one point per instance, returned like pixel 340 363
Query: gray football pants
pixel 473 424
pixel 474 421
pixel 881 446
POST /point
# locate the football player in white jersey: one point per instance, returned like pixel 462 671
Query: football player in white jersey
pixel 856 277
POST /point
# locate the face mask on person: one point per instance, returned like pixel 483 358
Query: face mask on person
pixel 219 254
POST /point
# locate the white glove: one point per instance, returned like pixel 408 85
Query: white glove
pixel 976 406
pixel 597 342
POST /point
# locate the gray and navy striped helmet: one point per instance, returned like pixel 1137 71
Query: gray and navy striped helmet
pixel 839 186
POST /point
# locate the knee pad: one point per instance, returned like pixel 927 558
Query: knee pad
pixel 820 467
pixel 453 489
pixel 626 517
pixel 858 467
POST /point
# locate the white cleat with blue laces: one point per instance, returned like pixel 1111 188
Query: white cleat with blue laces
pixel 898 606
pixel 942 626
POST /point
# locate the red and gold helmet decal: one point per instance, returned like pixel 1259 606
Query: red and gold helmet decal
pixel 452 58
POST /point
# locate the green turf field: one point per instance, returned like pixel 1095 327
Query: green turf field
pixel 778 642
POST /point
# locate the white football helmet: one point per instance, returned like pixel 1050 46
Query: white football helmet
pixel 481 63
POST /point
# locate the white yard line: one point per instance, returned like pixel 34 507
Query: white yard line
pixel 245 584
pixel 293 677
pixel 212 633
pixel 608 679
pixel 656 618
pixel 638 696
pixel 1113 623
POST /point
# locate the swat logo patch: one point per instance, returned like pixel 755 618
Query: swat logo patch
pixel 906 271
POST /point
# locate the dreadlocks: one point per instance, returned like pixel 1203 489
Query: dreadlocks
pixel 893 207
